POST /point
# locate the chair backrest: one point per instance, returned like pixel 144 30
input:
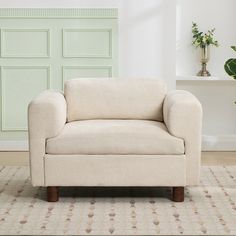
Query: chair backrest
pixel 113 98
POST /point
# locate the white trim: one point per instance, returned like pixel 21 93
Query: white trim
pixel 209 143
pixel 14 145
pixel 219 143
pixel 190 78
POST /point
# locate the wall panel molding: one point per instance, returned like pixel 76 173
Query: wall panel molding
pixel 4 90
pixel 40 48
pixel 107 13
pixel 85 67
pixel 106 52
pixel 21 45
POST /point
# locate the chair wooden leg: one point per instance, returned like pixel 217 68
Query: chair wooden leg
pixel 178 194
pixel 52 194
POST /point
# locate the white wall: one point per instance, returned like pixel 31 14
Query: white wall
pixel 219 14
pixel 146 37
pixel 217 97
pixel 219 112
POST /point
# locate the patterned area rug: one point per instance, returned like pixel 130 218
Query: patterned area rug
pixel 208 209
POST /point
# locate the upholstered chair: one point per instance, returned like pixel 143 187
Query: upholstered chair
pixel 115 132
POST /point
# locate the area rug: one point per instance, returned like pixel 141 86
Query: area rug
pixel 208 209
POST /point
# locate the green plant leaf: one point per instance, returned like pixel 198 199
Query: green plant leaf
pixel 203 39
pixel 227 68
pixel 230 67
pixel 234 48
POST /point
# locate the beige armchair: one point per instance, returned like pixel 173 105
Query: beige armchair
pixel 115 132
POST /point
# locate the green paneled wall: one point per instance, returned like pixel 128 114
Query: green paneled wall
pixel 41 48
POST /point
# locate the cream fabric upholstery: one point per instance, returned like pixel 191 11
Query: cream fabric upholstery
pixel 131 147
pixel 115 170
pixel 115 99
pixel 183 118
pixel 115 137
pixel 46 118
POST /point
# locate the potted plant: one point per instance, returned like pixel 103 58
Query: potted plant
pixel 203 41
pixel 230 65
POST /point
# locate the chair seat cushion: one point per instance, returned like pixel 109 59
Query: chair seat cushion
pixel 115 137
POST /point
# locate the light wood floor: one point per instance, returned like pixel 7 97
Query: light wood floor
pixel 208 158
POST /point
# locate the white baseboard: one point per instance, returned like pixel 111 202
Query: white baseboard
pixel 219 143
pixel 14 145
pixel 209 143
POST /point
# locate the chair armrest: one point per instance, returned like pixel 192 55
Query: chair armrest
pixel 46 118
pixel 183 117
